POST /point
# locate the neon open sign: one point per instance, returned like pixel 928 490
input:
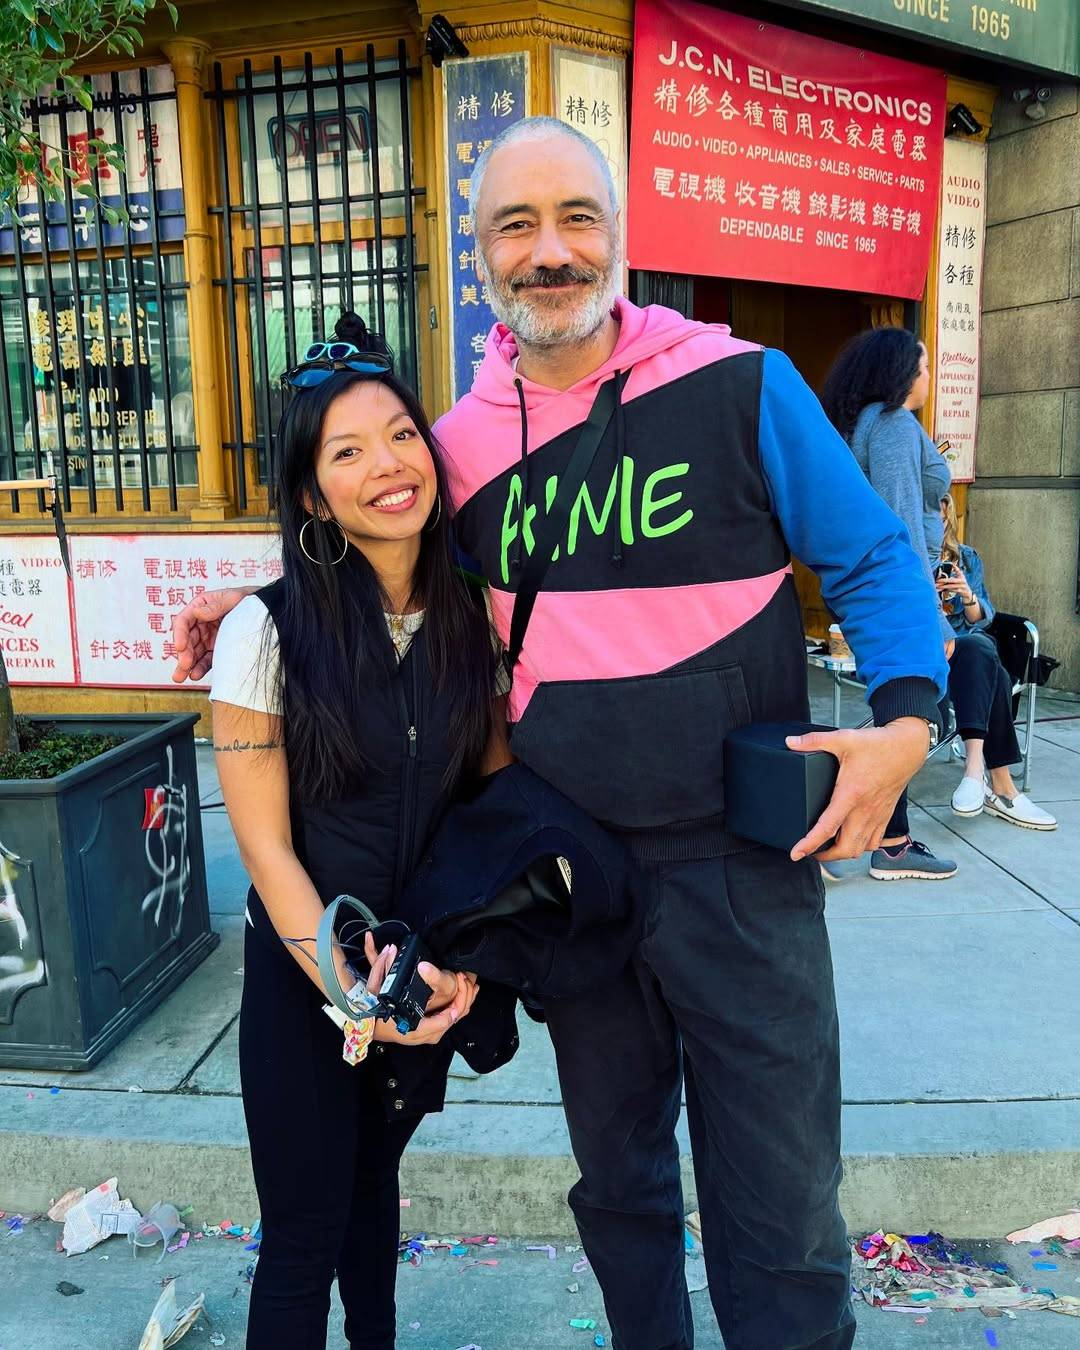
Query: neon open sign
pixel 298 138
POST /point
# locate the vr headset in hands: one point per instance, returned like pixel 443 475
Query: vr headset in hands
pixel 403 995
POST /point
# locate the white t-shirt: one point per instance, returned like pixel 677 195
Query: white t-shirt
pixel 247 655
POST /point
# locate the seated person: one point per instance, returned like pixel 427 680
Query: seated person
pixel 981 691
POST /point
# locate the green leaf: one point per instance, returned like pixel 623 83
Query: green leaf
pixel 172 12
pixel 55 41
pixel 86 189
pixel 111 215
pixel 82 95
pixel 27 9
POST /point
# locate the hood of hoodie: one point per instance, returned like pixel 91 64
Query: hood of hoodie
pixel 642 333
pixel 505 417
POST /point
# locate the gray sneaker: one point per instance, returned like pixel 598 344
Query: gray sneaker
pixel 910 861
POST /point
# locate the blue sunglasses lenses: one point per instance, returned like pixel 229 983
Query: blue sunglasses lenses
pixel 307 378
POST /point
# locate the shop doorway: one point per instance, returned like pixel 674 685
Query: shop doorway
pixel 810 326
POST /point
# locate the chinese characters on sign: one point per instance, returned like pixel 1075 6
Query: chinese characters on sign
pixel 119 403
pixel 589 93
pixel 765 154
pixel 128 587
pixel 113 626
pixel 960 263
pixel 482 95
pixel 36 635
pixel 148 156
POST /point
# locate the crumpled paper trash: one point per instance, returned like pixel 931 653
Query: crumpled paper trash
pixel 1065 1226
pixel 59 1211
pixel 97 1216
pixel 166 1325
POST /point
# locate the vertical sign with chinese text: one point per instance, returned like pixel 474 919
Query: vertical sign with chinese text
pixel 36 636
pixel 761 153
pixel 482 95
pixel 589 93
pixel 128 587
pixel 962 240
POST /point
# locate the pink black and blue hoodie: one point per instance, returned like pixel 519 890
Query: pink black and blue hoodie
pixel 669 614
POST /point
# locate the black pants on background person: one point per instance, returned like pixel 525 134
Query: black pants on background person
pixel 325 1160
pixel 981 693
pixel 733 993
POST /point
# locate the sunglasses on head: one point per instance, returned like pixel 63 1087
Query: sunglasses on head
pixel 323 359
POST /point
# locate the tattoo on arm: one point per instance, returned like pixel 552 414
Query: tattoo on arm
pixel 248 745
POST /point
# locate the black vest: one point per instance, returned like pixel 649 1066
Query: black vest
pixel 367 843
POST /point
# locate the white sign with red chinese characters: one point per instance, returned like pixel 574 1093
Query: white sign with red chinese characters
pixel 961 243
pixel 36 636
pixel 128 587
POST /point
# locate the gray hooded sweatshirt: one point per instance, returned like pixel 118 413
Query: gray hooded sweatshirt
pixel 905 468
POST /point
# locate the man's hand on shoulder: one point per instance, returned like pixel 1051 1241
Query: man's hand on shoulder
pixel 876 764
pixel 195 631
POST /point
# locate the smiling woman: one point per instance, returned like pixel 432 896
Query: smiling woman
pixel 351 698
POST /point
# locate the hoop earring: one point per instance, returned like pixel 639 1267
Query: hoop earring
pixel 438 513
pixel 318 561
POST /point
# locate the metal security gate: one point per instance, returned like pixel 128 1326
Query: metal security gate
pixel 317 204
pixel 94 375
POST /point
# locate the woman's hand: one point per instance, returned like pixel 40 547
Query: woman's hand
pixel 955 584
pixel 452 997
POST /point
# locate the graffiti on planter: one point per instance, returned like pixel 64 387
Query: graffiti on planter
pixel 21 963
pixel 165 825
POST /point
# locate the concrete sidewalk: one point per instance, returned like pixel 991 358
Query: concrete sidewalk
pixel 961 1048
pixel 523 1303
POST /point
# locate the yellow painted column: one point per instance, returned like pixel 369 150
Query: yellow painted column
pixel 187 56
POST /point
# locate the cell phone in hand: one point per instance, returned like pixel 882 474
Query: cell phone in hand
pixel 943 571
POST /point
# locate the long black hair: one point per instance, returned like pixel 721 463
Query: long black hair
pixel 335 648
pixel 878 366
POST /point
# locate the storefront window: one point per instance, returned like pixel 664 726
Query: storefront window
pixel 305 301
pixel 303 137
pixel 109 408
pixel 318 206
pixel 93 316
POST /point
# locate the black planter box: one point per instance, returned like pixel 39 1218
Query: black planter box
pixel 103 904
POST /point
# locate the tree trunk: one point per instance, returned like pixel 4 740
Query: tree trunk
pixel 8 739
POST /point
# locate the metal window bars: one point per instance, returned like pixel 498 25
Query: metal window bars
pixel 315 168
pixel 45 240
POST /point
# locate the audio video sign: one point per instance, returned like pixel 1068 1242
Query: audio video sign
pixel 760 153
pixel 1044 34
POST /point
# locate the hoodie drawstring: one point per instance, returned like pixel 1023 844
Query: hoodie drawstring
pixel 621 377
pixel 516 561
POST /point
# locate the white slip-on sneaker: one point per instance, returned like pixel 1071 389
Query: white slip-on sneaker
pixel 1020 810
pixel 969 796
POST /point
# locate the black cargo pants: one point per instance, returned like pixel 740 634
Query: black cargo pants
pixel 733 993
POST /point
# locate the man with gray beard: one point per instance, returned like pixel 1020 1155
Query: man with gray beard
pixel 667 617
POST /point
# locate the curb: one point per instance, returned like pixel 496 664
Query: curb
pixel 506 1168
